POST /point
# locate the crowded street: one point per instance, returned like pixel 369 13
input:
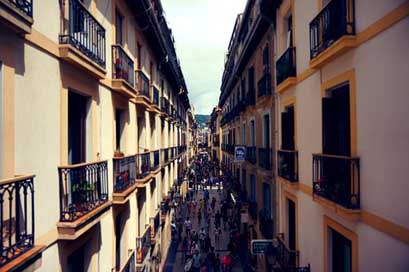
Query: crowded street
pixel 206 223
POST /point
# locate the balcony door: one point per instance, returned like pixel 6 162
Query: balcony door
pixel 291 224
pixel 340 255
pixel 77 115
pixel 287 128
pixel 252 188
pixel 266 131
pixel 118 28
pixel 252 133
pixel 336 122
pixel 267 200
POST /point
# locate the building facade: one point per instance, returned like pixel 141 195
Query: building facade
pixel 335 143
pixel 97 86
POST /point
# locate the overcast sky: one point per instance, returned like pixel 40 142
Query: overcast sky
pixel 202 30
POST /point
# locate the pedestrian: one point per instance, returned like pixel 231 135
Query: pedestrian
pixel 202 237
pixel 196 262
pixel 216 263
pixel 210 259
pixel 217 233
pixel 226 263
pixel 213 203
pixel 207 243
pixel 188 226
pixel 217 219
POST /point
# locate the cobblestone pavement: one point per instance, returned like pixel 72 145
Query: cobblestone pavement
pixel 175 259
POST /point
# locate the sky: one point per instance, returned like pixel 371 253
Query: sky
pixel 202 30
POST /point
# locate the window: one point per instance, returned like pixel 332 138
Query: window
pixel 252 133
pixel 266 130
pixel 287 128
pixel 139 56
pixel 251 80
pixel 118 27
pixel 291 224
pixel 289 31
pixel 266 57
pixel 252 188
pixel 267 199
pixel 243 180
pixel 244 142
pixel 340 252
pixel 119 128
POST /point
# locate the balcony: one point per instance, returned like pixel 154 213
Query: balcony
pixel 83 40
pixel 125 174
pixel 230 148
pixel 143 165
pixel 129 265
pixel 143 96
pixel 172 153
pixel 155 159
pixel 155 96
pixel 165 153
pixel 287 259
pixel 332 32
pixel 155 224
pixel 164 105
pixel 251 154
pixel 264 158
pixel 336 178
pixel 288 165
pixel 83 195
pixel 17 218
pixel 122 71
pixel 143 244
pixel 286 70
pixel 17 14
pixel 264 85
pixel 266 226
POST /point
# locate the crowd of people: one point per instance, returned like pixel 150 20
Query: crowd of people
pixel 207 211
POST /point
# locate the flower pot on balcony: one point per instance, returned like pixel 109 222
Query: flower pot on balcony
pixel 118 154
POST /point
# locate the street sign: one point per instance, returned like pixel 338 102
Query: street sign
pixel 239 153
pixel 259 246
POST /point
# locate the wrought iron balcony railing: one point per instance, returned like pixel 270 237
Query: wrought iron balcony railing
pixel 83 188
pixel 230 148
pixel 143 244
pixel 264 158
pixel 266 225
pixel 25 6
pixel 155 96
pixel 264 85
pixel 164 105
pixel 125 172
pixel 130 264
pixel 251 154
pixel 287 259
pixel 17 217
pixel 143 85
pixel 166 155
pixel 335 20
pixel 286 65
pixel 143 165
pixel 336 178
pixel 155 160
pixel 122 65
pixel 288 165
pixel 84 33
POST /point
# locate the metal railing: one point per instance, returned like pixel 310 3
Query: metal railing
pixel 155 159
pixel 83 188
pixel 85 33
pixel 125 172
pixel 264 85
pixel 143 243
pixel 250 97
pixel 17 217
pixel 286 65
pixel 164 105
pixel 288 164
pixel 130 265
pixel 264 158
pixel 26 6
pixel 336 178
pixel 143 164
pixel 287 259
pixel 122 65
pixel 154 223
pixel 143 84
pixel 335 20
pixel 155 96
pixel 251 154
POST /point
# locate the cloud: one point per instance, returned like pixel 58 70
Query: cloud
pixel 202 30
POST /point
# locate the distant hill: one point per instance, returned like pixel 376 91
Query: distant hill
pixel 202 119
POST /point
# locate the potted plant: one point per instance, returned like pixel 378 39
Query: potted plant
pixel 118 154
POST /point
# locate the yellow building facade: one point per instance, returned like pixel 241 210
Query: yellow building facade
pixel 96 129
